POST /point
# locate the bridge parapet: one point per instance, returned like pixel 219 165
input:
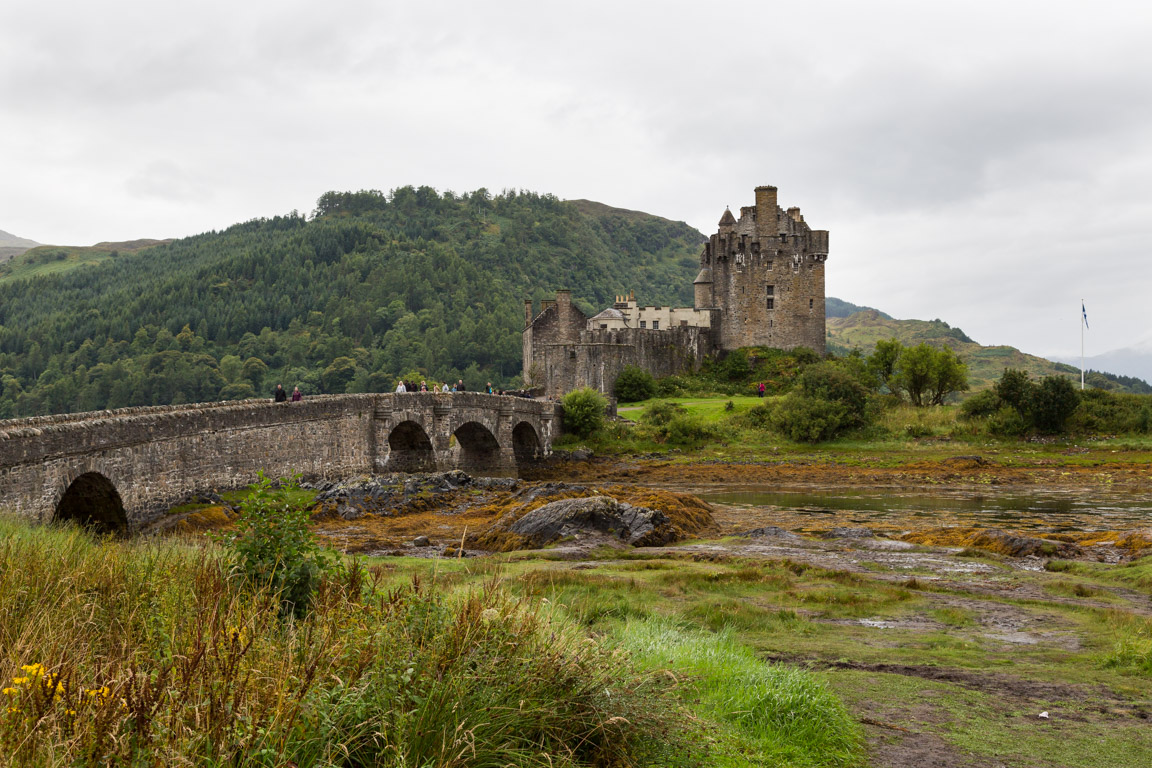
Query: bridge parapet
pixel 140 460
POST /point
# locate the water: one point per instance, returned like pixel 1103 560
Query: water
pixel 1041 510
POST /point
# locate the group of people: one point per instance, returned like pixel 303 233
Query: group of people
pixel 409 386
pixel 280 396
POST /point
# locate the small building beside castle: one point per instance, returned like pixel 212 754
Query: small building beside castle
pixel 761 283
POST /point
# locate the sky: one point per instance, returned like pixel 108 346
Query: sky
pixel 986 163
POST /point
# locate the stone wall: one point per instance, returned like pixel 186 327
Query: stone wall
pixel 150 457
pixel 559 322
pixel 598 356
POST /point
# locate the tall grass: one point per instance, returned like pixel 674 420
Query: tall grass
pixel 146 653
pixel 780 716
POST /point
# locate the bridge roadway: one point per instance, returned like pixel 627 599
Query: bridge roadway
pixel 120 470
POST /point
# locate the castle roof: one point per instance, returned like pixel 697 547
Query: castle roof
pixel 705 276
pixel 727 220
pixel 610 314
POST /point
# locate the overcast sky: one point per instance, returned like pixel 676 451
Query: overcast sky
pixel 987 163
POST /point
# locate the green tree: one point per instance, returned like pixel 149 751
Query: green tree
pixel 883 361
pixel 583 411
pixel 929 375
pixel 634 384
pixel 337 375
pixel 1054 400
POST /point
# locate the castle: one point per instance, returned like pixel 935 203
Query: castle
pixel 761 283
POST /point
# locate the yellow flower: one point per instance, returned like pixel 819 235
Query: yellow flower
pixel 10 691
pixel 33 670
pixel 20 680
pixel 102 693
pixel 237 635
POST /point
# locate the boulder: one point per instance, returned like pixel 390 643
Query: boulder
pixel 638 526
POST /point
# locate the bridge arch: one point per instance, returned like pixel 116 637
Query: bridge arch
pixel 409 449
pixel 479 450
pixel 526 444
pixel 93 501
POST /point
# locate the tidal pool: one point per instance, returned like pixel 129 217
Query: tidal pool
pixel 1037 510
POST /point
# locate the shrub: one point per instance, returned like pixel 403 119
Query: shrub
pixel 660 413
pixel 1014 389
pixel 670 386
pixel 810 420
pixel 756 417
pixel 273 548
pixel 1007 422
pixel 583 411
pixel 1053 401
pixel 634 384
pixel 686 430
pixel 981 404
pixel 828 382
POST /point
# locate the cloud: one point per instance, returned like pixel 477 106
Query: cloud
pixel 985 162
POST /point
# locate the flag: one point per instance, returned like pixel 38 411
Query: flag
pixel 1084 312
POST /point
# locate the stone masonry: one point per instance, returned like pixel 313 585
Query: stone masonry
pixel 761 283
pixel 121 469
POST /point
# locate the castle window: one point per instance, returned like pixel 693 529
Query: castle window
pixel 771 303
pixel 769 263
pixel 603 326
pixel 810 303
pixel 643 324
pixel 655 325
pixel 771 290
pixel 571 354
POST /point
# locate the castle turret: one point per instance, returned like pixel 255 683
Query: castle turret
pixel 703 288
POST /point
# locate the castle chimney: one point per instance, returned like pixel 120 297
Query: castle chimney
pixel 563 300
pixel 527 312
pixel 766 223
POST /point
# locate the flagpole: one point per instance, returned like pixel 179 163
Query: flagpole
pixel 1081 345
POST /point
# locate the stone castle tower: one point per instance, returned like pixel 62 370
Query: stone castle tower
pixel 761 284
pixel 764 274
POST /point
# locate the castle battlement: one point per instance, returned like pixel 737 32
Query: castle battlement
pixel 761 283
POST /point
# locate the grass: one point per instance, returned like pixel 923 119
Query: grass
pixel 133 653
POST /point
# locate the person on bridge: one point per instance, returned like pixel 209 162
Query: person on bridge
pixel 279 395
pixel 400 387
pixel 296 396
pixel 490 390
pixel 460 385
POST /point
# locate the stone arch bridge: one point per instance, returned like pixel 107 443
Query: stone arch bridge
pixel 120 470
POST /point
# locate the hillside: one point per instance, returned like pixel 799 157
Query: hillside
pixel 370 287
pixel 985 364
pixel 54 259
pixel 11 245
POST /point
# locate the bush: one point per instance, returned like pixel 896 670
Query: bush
pixel 670 386
pixel 1102 412
pixel 825 381
pixel 634 384
pixel 583 411
pixel 1054 400
pixel 981 404
pixel 660 413
pixel 273 548
pixel 685 430
pixel 805 419
pixel 756 417
pixel 1007 422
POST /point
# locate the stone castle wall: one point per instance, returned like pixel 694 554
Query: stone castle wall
pixel 597 358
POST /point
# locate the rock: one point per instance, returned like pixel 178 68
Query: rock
pixel 581 454
pixel 384 495
pixel 494 482
pixel 638 526
pixel 848 533
pixel 769 532
pixel 421 541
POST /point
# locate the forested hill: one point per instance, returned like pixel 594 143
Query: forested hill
pixel 368 288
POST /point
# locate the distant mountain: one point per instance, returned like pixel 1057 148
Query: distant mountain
pixel 985 364
pixel 11 245
pixel 55 259
pixel 834 307
pixel 1135 360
